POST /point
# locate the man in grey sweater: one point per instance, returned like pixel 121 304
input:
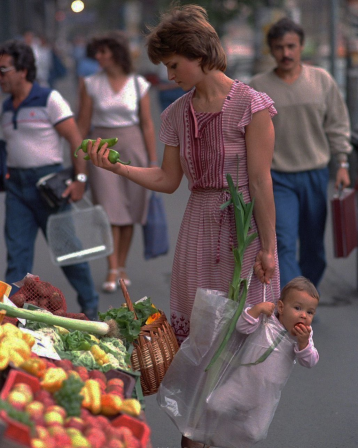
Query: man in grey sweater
pixel 311 126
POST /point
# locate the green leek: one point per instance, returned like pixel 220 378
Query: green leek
pixel 239 286
pixel 71 324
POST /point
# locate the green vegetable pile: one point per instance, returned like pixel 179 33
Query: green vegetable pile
pixel 77 340
pixel 128 326
pixel 69 396
pixel 75 346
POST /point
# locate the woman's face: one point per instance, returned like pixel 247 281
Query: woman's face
pixel 185 72
pixel 104 56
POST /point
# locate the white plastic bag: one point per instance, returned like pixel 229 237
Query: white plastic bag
pixel 185 387
pixel 232 404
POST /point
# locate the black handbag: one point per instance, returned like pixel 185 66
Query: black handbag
pixel 155 230
pixel 53 185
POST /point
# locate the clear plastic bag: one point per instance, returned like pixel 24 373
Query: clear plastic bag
pixel 81 233
pixel 231 404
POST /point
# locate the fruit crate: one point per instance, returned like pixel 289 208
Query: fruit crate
pixel 15 430
pixel 139 429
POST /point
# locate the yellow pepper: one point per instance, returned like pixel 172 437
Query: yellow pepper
pixel 153 317
pixel 94 392
pixel 130 406
pixel 29 339
pixel 16 344
pixel 4 358
pixel 16 358
pixel 11 330
pixel 86 403
pixel 53 379
pixel 34 366
pixel 110 404
pixel 99 355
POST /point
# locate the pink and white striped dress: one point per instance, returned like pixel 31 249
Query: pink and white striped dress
pixel 211 145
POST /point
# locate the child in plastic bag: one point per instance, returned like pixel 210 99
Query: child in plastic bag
pixel 247 400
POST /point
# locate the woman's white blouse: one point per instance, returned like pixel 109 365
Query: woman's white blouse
pixel 111 109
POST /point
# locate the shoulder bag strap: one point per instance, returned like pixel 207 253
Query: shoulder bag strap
pixel 137 91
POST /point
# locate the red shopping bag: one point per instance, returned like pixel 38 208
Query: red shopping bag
pixel 344 221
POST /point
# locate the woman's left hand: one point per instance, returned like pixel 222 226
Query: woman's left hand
pixel 264 266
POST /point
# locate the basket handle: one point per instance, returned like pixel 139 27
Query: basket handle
pixel 2 315
pixel 126 297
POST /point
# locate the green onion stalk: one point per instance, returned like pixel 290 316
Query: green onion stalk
pixel 238 286
pixel 101 328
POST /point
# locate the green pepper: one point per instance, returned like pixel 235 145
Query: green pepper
pixel 113 155
pixel 84 144
pixel 85 345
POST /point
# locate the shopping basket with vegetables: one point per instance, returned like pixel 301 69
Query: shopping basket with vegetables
pixel 153 341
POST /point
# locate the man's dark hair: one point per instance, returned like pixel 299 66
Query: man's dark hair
pixel 22 56
pixel 283 26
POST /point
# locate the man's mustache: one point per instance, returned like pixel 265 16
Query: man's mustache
pixel 285 59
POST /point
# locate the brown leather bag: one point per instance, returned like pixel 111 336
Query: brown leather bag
pixel 344 222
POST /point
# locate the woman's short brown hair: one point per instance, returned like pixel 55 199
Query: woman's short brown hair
pixel 299 284
pixel 118 43
pixel 186 31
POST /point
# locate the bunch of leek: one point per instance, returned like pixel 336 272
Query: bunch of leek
pixel 239 286
pixel 101 328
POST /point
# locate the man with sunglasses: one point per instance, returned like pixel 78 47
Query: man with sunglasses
pixel 33 120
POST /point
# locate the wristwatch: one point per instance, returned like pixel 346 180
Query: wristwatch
pixel 344 165
pixel 81 177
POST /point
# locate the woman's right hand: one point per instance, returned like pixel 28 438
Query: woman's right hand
pixel 99 156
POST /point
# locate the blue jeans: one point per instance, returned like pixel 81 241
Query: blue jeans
pixel 301 211
pixel 26 212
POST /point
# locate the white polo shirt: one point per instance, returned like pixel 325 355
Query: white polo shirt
pixel 31 139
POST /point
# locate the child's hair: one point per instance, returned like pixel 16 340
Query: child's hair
pixel 299 284
pixel 186 31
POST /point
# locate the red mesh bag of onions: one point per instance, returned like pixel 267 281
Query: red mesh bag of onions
pixel 42 294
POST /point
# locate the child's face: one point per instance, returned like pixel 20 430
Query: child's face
pixel 298 307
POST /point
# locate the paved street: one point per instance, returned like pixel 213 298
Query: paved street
pixel 319 407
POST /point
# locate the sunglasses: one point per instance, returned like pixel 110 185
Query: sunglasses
pixel 4 70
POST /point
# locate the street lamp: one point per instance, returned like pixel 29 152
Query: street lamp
pixel 77 6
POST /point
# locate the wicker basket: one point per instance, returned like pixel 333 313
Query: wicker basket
pixel 153 351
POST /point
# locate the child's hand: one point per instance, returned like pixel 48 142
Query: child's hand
pixel 262 308
pixel 267 308
pixel 302 333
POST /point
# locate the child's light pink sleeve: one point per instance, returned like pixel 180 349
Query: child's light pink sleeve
pixel 247 324
pixel 308 357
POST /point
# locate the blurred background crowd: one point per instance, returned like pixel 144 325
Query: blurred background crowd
pixel 59 30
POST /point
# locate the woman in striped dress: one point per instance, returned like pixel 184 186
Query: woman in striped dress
pixel 220 126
